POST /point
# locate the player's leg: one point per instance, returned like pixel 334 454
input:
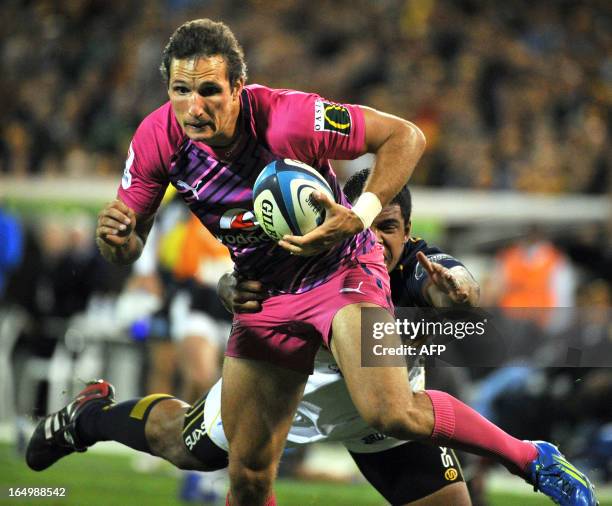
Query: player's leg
pixel 258 403
pixel 175 432
pixel 456 494
pixel 156 424
pixel 383 397
pixel 415 474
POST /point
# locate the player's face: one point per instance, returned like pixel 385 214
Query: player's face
pixel 204 103
pixel 392 232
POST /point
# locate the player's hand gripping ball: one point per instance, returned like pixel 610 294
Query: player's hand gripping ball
pixel 282 198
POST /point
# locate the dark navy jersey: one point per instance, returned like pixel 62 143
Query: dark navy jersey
pixel 409 276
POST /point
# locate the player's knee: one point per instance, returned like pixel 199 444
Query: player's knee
pixel 164 431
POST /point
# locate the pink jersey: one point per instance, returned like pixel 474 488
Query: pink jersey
pixel 217 185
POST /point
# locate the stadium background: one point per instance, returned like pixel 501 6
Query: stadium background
pixel 515 99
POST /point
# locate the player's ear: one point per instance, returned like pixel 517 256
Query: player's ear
pixel 237 89
pixel 407 229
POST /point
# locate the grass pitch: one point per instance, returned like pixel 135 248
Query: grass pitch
pixel 98 479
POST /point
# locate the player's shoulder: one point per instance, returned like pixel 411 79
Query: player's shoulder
pixel 412 247
pixel 264 99
pixel 160 126
pixel 409 262
pixel 261 92
pixel 282 118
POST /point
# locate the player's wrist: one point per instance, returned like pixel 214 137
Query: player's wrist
pixel 367 208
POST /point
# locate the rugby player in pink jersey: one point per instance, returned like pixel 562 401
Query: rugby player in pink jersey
pixel 210 141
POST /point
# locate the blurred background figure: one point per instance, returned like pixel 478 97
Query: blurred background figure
pixel 11 252
pixel 532 273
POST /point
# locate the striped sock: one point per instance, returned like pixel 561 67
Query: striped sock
pixel 123 422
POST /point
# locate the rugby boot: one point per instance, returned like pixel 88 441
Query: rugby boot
pixel 551 474
pixel 55 435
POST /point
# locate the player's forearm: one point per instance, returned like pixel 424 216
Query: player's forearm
pixel 470 285
pixel 396 159
pixel 124 254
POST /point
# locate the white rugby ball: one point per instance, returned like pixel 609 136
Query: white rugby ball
pixel 282 200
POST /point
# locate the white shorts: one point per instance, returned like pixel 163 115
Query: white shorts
pixel 326 412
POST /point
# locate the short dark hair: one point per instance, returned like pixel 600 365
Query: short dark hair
pixel 205 37
pixel 354 187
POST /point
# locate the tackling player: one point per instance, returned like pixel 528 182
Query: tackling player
pixel 210 141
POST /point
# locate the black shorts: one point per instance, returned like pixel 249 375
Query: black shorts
pixel 409 472
pixel 197 441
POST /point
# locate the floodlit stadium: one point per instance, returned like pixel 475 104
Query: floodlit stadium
pixel 497 261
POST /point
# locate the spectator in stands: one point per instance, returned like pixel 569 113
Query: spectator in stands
pixel 530 111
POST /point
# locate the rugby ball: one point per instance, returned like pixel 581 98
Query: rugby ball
pixel 282 200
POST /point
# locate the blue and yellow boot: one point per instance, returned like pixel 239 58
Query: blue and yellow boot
pixel 551 474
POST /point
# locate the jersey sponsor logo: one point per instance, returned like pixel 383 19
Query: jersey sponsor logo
pixel 195 435
pixel 243 239
pixel 370 439
pixel 187 187
pixel 238 227
pixel 126 180
pixel 419 271
pixel 238 219
pixel 331 117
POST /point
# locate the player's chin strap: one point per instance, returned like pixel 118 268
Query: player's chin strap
pixel 367 208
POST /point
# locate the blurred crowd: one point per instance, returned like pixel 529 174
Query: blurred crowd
pixel 511 95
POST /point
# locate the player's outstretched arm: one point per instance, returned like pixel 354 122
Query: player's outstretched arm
pixel 120 233
pixel 448 287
